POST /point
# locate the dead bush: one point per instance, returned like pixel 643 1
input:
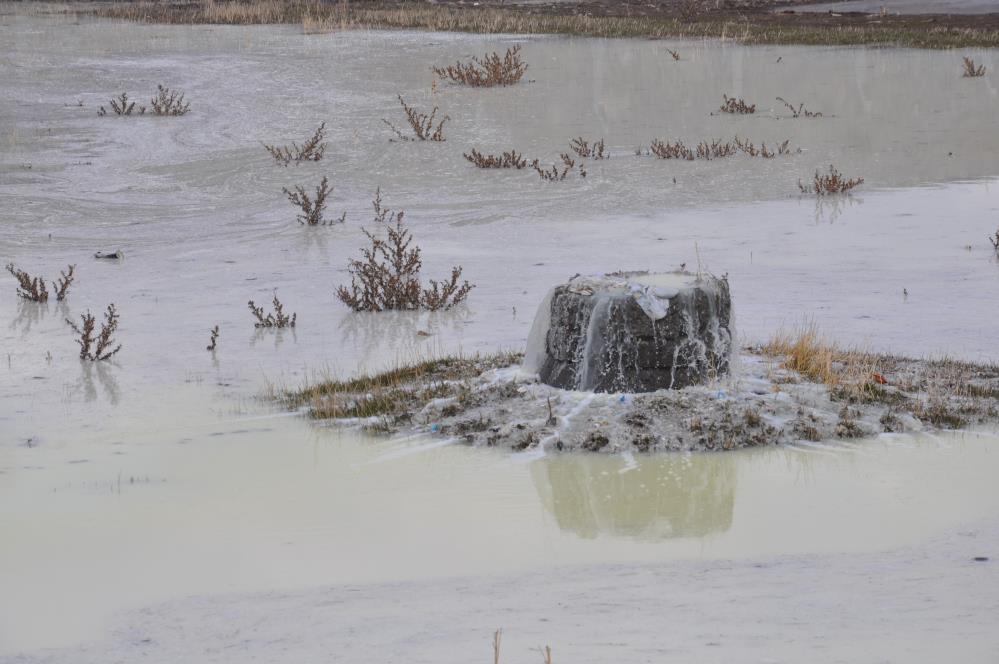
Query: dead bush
pixel 169 102
pixel 801 110
pixel 421 124
pixel 587 151
pixel 511 159
pixel 556 175
pixel 33 288
pixel 971 70
pixel 213 342
pixel 490 71
pixel 313 208
pixel 749 148
pixel 277 319
pixel 715 149
pixel 99 348
pixel 994 239
pixel 738 106
pixel 312 150
pixel 388 276
pixel 833 183
pixel 120 105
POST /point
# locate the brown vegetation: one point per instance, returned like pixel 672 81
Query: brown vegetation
pixel 971 70
pixel 670 150
pixel 312 208
pixel 168 102
pixel 801 110
pixel 388 277
pixel 491 70
pixel 99 348
pixel 277 319
pixel 833 183
pixel 511 159
pixel 421 124
pixel 994 239
pixel 749 148
pixel 675 54
pixel 312 150
pixel 33 288
pixel 585 150
pixel 556 175
pixel 738 106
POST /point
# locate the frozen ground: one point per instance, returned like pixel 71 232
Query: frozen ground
pixel 154 477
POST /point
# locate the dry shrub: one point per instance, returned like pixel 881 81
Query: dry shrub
pixel 312 208
pixel 587 151
pixel 490 71
pixel 994 239
pixel 675 54
pixel 120 105
pixel 388 277
pixel 277 319
pixel 421 124
pixel 168 102
pixel 312 150
pixel 556 175
pixel 511 159
pixel 33 288
pixel 215 338
pixel 972 71
pixel 99 348
pixel 669 150
pixel 801 110
pixel 833 183
pixel 738 106
pixel 749 148
pixel 715 149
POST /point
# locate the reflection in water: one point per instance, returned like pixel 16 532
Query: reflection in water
pixel 648 497
pixel 107 381
pixel 31 313
pixel 276 332
pixel 830 208
pixel 373 332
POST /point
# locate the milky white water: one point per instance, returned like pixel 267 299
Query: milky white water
pixel 161 475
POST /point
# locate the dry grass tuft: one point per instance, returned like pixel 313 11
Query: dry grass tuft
pixel 971 70
pixel 490 71
pixel 738 106
pixel 388 277
pixel 670 150
pixel 312 208
pixel 169 102
pixel 556 175
pixel 120 105
pixel 99 348
pixel 715 149
pixel 511 159
pixel 833 183
pixel 807 352
pixel 312 150
pixel 994 240
pixel 33 288
pixel 675 54
pixel 749 148
pixel 421 124
pixel 587 151
pixel 277 319
pixel 801 110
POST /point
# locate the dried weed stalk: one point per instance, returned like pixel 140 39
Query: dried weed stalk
pixel 312 150
pixel 490 71
pixel 715 149
pixel 312 208
pixel 215 338
pixel 169 102
pixel 421 124
pixel 120 105
pixel 733 105
pixel 99 348
pixel 277 319
pixel 801 110
pixel 33 288
pixel 994 239
pixel 585 150
pixel 511 159
pixel 670 150
pixel 388 277
pixel 675 54
pixel 833 183
pixel 971 70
